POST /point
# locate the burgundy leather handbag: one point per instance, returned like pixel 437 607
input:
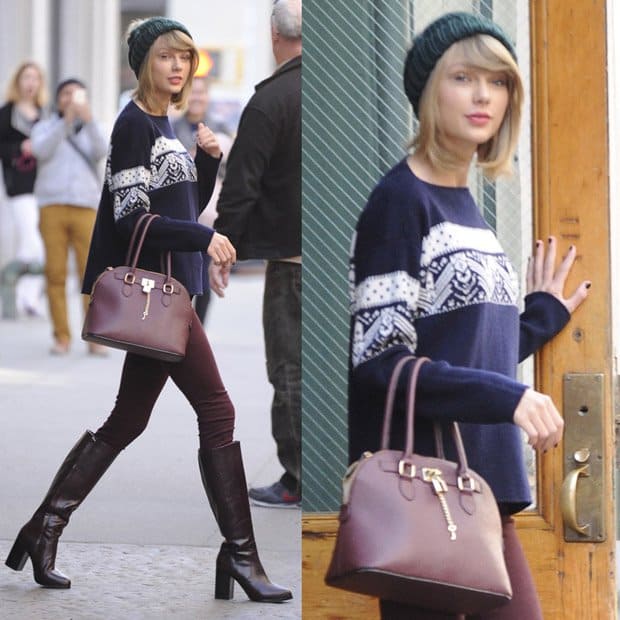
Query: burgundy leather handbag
pixel 420 530
pixel 140 311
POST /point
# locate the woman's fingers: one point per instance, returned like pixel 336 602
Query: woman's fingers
pixel 207 140
pixel 538 417
pixel 221 250
pixel 576 299
pixel 529 277
pixel 539 260
pixel 559 279
pixel 542 275
pixel 549 261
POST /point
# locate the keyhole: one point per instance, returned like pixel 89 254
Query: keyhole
pixel 583 410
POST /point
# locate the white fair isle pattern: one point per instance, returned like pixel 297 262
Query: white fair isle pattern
pixel 460 267
pixel 386 289
pixel 170 163
pixel 377 329
pixel 466 278
pixel 447 238
pixel 129 188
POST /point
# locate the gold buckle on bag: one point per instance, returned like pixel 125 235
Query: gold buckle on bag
pixel 466 483
pixel 406 469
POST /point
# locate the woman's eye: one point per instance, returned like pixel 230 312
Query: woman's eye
pixel 461 77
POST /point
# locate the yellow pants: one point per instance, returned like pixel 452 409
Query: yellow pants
pixel 63 227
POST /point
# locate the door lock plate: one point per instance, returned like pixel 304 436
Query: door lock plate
pixel 584 490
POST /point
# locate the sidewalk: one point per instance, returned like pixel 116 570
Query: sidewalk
pixel 143 544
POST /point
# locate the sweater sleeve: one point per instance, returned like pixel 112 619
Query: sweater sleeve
pixel 544 317
pixel 129 181
pixel 385 295
pixel 245 167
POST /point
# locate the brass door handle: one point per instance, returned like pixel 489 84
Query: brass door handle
pixel 568 499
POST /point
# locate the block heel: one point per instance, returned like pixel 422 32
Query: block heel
pixel 38 538
pixel 224 585
pixel 223 477
pixel 18 555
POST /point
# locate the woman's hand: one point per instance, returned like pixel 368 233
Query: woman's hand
pixel 221 250
pixel 542 275
pixel 538 417
pixel 208 141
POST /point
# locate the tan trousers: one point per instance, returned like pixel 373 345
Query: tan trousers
pixel 63 227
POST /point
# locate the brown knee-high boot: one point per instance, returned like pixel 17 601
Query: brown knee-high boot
pixel 223 478
pixel 78 474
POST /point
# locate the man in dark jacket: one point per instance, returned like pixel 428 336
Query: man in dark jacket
pixel 259 209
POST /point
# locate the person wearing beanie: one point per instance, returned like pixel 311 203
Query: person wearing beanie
pixel 429 278
pixel 149 171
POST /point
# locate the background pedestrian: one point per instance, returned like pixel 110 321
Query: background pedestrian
pixel 25 99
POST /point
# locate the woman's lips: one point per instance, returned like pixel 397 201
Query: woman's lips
pixel 478 119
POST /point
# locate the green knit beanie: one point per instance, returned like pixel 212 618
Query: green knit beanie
pixel 143 36
pixel 430 45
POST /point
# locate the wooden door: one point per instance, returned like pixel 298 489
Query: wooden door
pixel 571 197
pixel 571 200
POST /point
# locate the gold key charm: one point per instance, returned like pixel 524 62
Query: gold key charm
pixel 147 286
pixel 434 476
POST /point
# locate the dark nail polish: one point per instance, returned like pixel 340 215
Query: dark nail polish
pixel 588 284
pixel 550 239
pixel 538 244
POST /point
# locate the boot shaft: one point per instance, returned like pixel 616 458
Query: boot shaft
pixel 82 468
pixel 223 478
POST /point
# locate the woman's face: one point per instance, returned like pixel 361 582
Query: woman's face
pixel 29 83
pixel 169 68
pixel 471 102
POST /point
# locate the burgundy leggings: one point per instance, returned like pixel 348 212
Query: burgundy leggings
pixel 524 603
pixel 196 376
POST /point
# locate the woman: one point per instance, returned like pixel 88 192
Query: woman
pixel 149 170
pixel 430 278
pixel 26 97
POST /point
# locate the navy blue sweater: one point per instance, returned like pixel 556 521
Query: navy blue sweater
pixel 149 170
pixel 429 278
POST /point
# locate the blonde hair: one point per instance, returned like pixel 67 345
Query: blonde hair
pixel 494 156
pixel 12 91
pixel 176 40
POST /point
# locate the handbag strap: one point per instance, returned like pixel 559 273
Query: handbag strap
pixel 136 242
pixel 389 400
pixel 409 441
pixel 410 412
pixel 134 234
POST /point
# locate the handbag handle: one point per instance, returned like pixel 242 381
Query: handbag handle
pixel 136 243
pixel 389 400
pixel 409 432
